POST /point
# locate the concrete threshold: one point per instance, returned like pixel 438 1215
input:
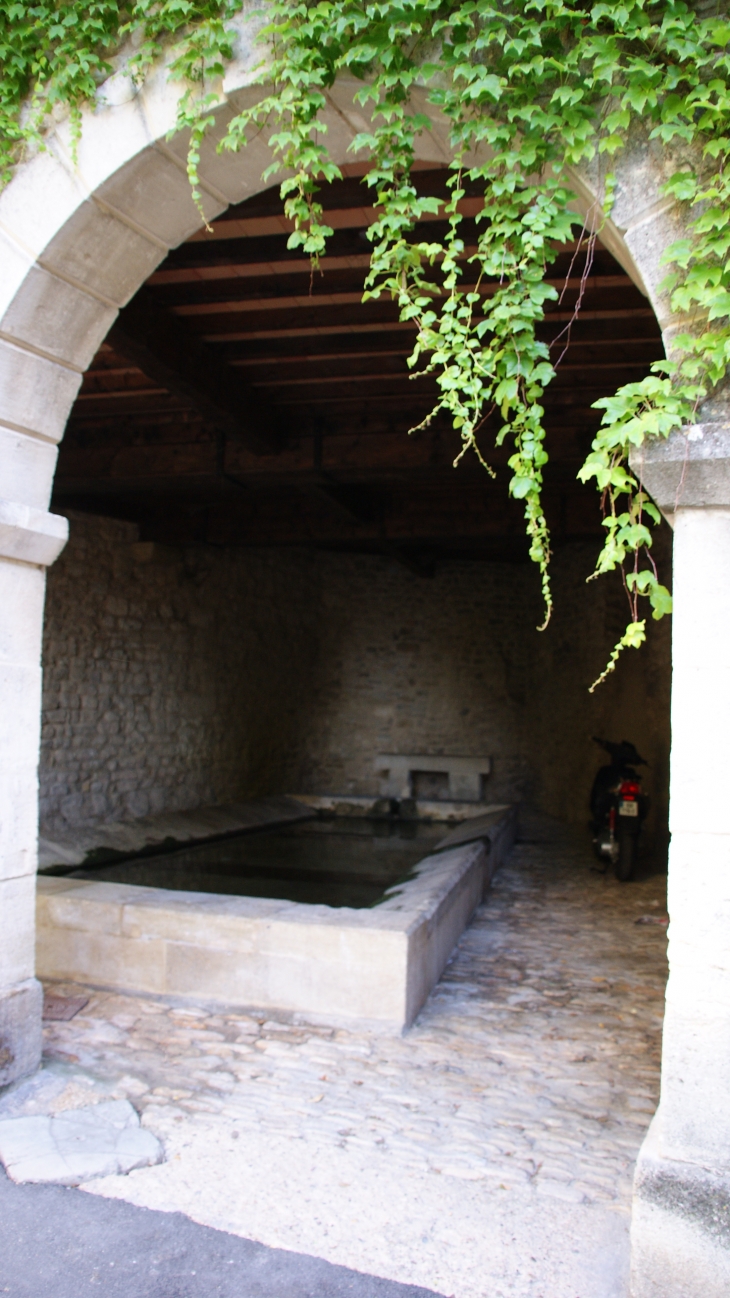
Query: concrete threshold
pixel 372 967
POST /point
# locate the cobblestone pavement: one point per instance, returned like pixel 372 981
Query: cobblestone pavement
pixel 487 1153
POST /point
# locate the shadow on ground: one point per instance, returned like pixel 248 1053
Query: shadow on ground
pixel 62 1243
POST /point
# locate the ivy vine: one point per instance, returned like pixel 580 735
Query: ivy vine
pixel 527 87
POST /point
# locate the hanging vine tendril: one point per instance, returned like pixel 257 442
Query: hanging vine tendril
pixel 527 87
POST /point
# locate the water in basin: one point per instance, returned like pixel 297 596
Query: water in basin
pixel 336 862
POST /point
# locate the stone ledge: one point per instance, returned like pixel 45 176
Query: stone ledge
pixel 31 535
pixel 93 845
pixel 79 1145
pixel 690 469
pixel 375 966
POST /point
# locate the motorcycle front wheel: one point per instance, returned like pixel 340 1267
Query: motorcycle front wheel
pixel 626 856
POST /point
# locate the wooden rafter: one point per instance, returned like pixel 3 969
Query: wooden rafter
pixel 187 368
pixel 232 350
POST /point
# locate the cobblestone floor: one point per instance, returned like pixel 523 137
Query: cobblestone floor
pixel 487 1153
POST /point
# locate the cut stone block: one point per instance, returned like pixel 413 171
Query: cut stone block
pixel 31 535
pixel 17 907
pixel 78 1145
pixel 399 774
pixel 28 468
pixel 57 318
pixel 36 394
pixel 20 1030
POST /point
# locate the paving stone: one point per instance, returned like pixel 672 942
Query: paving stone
pixel 78 1145
pixel 551 1099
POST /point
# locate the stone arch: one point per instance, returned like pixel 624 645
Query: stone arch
pixel 76 242
pixel 77 239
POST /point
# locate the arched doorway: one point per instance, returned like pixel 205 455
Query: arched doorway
pixel 77 244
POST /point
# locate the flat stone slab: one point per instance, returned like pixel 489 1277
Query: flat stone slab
pixel 100 843
pixel 62 1008
pixel 483 827
pixel 55 1087
pixel 79 1145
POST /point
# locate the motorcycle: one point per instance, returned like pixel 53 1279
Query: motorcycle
pixel 618 807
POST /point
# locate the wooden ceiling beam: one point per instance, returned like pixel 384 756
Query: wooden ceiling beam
pixel 235 289
pixel 318 385
pixel 410 519
pixel 320 351
pixel 337 218
pixel 641 327
pixel 343 468
pixel 236 355
pixel 207 297
pixel 207 265
pixel 323 379
pixel 338 328
pixel 298 517
pixel 224 268
pixel 358 504
pixel 370 317
pixel 170 355
pixel 421 395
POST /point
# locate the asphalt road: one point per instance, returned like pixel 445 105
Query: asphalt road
pixel 61 1243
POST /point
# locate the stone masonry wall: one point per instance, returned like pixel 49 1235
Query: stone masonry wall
pixel 171 679
pixel 455 665
pixel 174 678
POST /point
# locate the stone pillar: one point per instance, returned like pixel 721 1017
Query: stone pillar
pixel 681 1213
pixel 30 539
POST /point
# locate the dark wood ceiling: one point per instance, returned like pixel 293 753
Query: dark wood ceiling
pixel 241 400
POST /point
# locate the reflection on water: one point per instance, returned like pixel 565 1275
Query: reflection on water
pixel 337 862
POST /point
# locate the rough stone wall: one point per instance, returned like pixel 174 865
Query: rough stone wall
pixel 418 666
pixel 455 665
pixel 171 679
pixel 633 703
pixel 174 679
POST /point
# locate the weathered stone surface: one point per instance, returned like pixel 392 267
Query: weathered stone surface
pixel 35 393
pixel 28 468
pixel 53 1088
pixel 680 1227
pixel 17 907
pixel 20 1028
pixel 78 1145
pixel 690 469
pixel 472 828
pixel 153 194
pixel 58 318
